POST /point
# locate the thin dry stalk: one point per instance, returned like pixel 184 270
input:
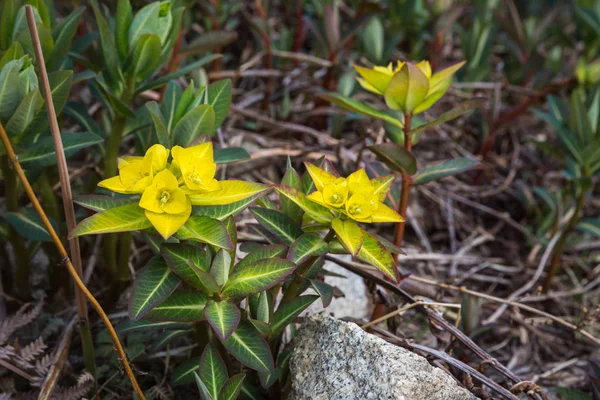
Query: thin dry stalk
pixel 67 261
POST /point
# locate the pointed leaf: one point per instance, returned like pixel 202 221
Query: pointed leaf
pixel 225 211
pixel 256 277
pixel 324 291
pixel 107 45
pixel 315 211
pixel 456 112
pixel 29 225
pixel 223 317
pixel 220 267
pixel 378 256
pixel 249 348
pixel 349 233
pixel 24 114
pixel 189 264
pixel 287 312
pixel 306 246
pixel 279 224
pixel 98 202
pixel 590 225
pixel 197 122
pixel 166 338
pixel 42 154
pixel 80 114
pixel 65 32
pixel 180 306
pixel 230 155
pixel 263 252
pixel 231 192
pixel 232 387
pixel 213 371
pixel 151 287
pixel 396 157
pixel 358 107
pixel 205 230
pixel 184 373
pixel 143 325
pixel 219 97
pixel 130 217
pixel 145 57
pixel 204 392
pixel 451 167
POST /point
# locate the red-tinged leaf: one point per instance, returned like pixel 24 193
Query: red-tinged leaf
pixel 223 317
pixel 256 277
pixel 287 312
pixel 213 371
pixel 180 306
pixel 232 388
pixel 324 290
pixel 306 246
pixel 249 348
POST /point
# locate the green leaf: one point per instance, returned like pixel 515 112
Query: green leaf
pixel 232 387
pixel 146 56
pixel 205 230
pixel 358 107
pixel 168 105
pixel 566 393
pixel 407 89
pixel 219 97
pixel 107 45
pixel 306 246
pixel 154 284
pixel 315 211
pixel 249 348
pixel 144 22
pixel 220 267
pixel 189 263
pixel 42 154
pixel 10 8
pixel 231 191
pixel 204 393
pixel 349 233
pixel 184 373
pixel 279 224
pixel 24 114
pixel 167 78
pixel 256 277
pixel 589 18
pixel 60 87
pixel 199 121
pixel 456 112
pixel 373 39
pixel 123 22
pixel 292 179
pixel 65 32
pixel 111 100
pixel 261 253
pixel 396 157
pixel 378 256
pixel 9 88
pixel 230 155
pixel 29 225
pixel 130 217
pixel 590 225
pixel 213 371
pixel 324 291
pixel 287 312
pixel 79 113
pixel 451 167
pixel 223 317
pixel 180 306
pixel 162 133
pixel 225 211
pixel 579 121
pixel 99 203
pixel 143 325
pixel 14 52
pixel 166 338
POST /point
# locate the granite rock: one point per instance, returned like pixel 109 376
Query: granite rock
pixel 335 360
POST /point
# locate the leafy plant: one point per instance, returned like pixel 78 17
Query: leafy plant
pixel 577 126
pixel 409 89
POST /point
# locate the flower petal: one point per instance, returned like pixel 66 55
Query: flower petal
pixel 150 199
pixel 379 78
pixel 381 186
pixel 178 203
pixel 358 181
pixel 168 224
pixel 385 214
pixel 319 176
pixel 114 184
pixel 317 197
pixel 159 155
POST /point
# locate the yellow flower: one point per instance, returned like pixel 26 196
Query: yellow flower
pixel 136 173
pixel 357 196
pixel 167 206
pixel 409 88
pixel 197 167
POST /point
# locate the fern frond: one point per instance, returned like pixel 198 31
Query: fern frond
pixel 20 319
pixel 28 354
pixel 84 384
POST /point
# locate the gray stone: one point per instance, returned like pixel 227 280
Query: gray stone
pixel 336 360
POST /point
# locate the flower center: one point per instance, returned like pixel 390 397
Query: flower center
pixel 354 209
pixel 165 196
pixel 195 178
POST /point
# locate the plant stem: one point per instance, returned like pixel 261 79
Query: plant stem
pixel 11 192
pixel 67 261
pixel 560 245
pixel 406 185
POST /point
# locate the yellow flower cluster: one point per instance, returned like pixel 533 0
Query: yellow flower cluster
pixel 356 196
pixel 407 87
pixel 165 187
